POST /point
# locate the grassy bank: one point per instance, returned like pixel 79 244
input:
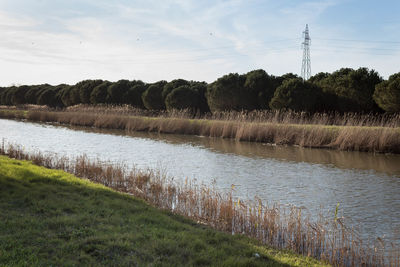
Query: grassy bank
pixel 51 218
pixel 358 133
pixel 272 225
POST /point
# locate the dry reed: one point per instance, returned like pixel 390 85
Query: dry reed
pixel 353 132
pixel 266 116
pixel 273 225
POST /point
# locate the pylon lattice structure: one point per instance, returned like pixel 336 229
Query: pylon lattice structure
pixel 306 64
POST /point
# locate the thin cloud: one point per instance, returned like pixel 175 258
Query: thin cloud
pixel 153 40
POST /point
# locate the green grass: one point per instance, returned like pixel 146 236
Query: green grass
pixel 14 113
pixel 51 218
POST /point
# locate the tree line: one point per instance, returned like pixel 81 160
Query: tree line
pixel 345 90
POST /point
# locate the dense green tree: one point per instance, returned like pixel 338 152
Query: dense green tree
pixel 6 95
pixel 40 89
pixel 133 96
pixel 317 78
pixel 48 98
pixel 116 91
pixel 85 88
pixel 353 89
pixel 18 95
pixel 344 90
pixel 183 97
pixel 64 95
pixel 152 97
pixel 99 94
pixel 278 80
pixel 74 96
pixel 9 95
pixel 327 100
pixel 295 94
pixel 30 95
pixel 260 87
pixel 2 90
pixel 387 94
pixel 58 90
pixel 201 88
pixel 228 93
pixel 3 93
pixel 173 85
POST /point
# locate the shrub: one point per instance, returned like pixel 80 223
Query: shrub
pixel 18 95
pixel 295 94
pixel 260 87
pixel 6 95
pixel 173 85
pixel 30 94
pixel 387 94
pixel 74 96
pixel 85 89
pixel 116 91
pixel 99 93
pixel 48 98
pixel 353 89
pixel 152 97
pixel 134 95
pixel 64 95
pixel 228 93
pixel 201 88
pixel 183 97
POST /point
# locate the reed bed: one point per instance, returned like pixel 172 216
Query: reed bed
pixel 273 225
pixel 266 116
pixel 281 130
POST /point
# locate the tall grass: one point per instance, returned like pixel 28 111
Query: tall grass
pixel 355 132
pixel 266 116
pixel 273 225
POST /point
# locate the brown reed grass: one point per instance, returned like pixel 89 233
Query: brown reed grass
pixel 357 132
pixel 267 116
pixel 273 225
pixel 370 139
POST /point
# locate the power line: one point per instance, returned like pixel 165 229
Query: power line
pixel 213 53
pixel 360 48
pixel 358 40
pixel 180 51
pixel 166 60
pixel 352 52
pixel 363 48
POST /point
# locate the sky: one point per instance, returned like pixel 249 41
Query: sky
pixel 66 41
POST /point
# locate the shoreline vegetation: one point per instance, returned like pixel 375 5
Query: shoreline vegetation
pixel 52 218
pixel 272 225
pixel 345 90
pixel 349 131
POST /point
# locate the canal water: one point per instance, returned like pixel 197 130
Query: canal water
pixel 366 185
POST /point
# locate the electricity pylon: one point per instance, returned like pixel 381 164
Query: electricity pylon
pixel 306 64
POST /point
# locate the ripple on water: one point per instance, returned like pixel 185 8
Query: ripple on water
pixel 366 185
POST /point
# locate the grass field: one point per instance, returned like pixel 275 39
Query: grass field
pixel 51 218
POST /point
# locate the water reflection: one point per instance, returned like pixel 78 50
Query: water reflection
pixel 366 185
pixel 384 163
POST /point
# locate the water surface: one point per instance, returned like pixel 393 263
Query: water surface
pixel 366 185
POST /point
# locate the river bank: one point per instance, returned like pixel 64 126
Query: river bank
pixel 381 139
pixel 50 217
pixel 271 225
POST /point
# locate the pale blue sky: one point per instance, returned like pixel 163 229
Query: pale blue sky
pixel 65 41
